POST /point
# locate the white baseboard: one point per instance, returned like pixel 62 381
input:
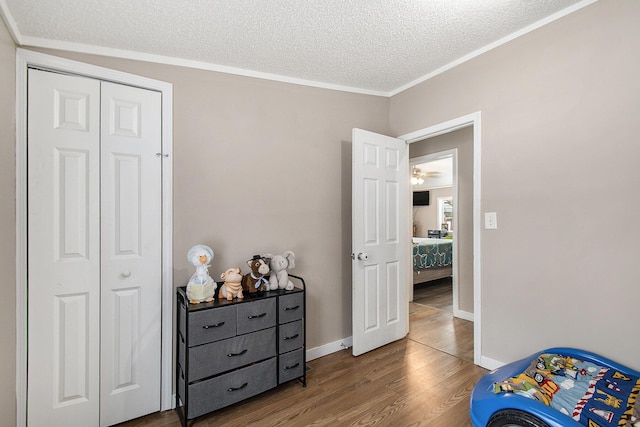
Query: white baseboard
pixel 332 347
pixel 490 364
pixel 465 315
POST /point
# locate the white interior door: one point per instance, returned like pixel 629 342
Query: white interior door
pixel 131 252
pixel 380 239
pixel 64 250
pixel 94 251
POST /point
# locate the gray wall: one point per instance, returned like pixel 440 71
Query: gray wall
pixel 560 132
pixel 7 226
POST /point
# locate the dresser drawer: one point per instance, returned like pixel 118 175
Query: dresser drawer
pixel 211 325
pixel 291 336
pixel 256 315
pixel 218 392
pixel 221 356
pixel 291 366
pixel 291 307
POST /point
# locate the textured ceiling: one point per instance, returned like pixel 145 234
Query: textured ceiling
pixel 376 46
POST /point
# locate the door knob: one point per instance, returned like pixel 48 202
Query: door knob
pixel 362 256
pixel 126 274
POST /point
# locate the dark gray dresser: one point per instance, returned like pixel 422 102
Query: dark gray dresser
pixel 228 351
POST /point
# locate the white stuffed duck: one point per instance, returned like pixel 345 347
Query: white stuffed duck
pixel 201 286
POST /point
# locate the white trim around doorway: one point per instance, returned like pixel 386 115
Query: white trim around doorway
pixel 24 60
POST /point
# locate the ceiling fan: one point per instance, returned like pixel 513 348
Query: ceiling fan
pixel 418 176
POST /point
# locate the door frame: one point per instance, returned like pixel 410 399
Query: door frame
pixel 473 119
pixel 24 60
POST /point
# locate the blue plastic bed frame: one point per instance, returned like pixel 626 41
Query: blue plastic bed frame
pixel 484 403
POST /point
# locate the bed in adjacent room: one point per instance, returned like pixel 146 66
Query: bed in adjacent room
pixel 432 259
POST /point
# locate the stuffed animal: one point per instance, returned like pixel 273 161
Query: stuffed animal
pixel 232 286
pixel 201 286
pixel 255 281
pixel 279 264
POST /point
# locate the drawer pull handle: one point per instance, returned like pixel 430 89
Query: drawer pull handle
pixel 237 354
pixel 257 316
pixel 291 308
pixel 217 325
pixel 237 388
pixel 292 337
pixel 292 366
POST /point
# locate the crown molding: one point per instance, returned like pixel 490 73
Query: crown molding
pixel 11 24
pixel 27 41
pixel 497 43
pixel 180 62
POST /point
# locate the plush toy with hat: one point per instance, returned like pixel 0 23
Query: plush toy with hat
pixel 255 281
pixel 201 286
pixel 232 286
pixel 279 264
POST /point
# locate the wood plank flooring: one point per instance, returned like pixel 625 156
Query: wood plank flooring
pixel 411 382
pixel 432 322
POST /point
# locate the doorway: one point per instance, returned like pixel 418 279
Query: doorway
pixel 31 60
pixel 435 315
pixel 470 304
pixel 434 217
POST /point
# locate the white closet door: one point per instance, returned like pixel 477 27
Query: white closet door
pixel 131 252
pixel 64 250
pixel 94 225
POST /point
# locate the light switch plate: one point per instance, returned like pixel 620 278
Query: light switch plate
pixel 490 220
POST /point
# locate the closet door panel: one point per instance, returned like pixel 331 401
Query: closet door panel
pixel 127 196
pixel 63 249
pixel 131 252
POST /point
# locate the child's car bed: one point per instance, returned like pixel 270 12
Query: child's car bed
pixel 432 259
pixel 558 387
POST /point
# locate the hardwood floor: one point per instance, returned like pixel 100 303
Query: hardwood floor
pixel 417 381
pixel 432 322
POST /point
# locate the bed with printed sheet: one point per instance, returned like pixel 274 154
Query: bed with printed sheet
pixel 576 387
pixel 432 259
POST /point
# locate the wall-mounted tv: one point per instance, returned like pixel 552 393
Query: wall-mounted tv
pixel 420 198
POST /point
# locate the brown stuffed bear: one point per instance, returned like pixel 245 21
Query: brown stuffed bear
pixel 255 281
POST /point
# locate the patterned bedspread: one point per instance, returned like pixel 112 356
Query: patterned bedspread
pixel 592 395
pixel 431 253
